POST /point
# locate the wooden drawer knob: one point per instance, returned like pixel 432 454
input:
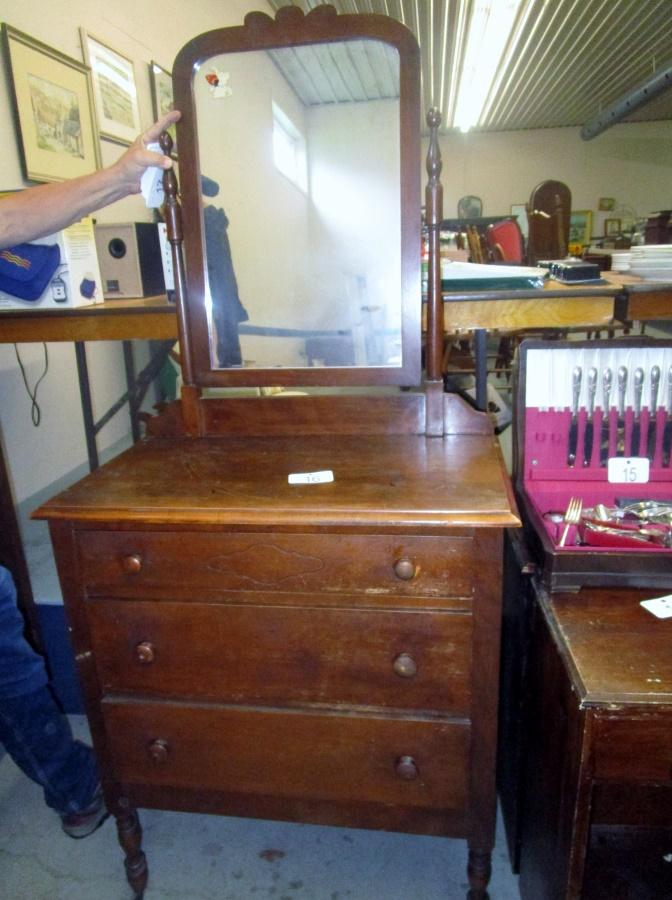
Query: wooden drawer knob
pixel 144 653
pixel 406 768
pixel 132 563
pixel 158 751
pixel 405 569
pixel 405 666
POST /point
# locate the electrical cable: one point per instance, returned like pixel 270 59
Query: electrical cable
pixel 35 411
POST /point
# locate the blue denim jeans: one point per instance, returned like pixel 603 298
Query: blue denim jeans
pixel 33 729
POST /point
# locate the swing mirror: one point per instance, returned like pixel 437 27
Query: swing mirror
pixel 299 165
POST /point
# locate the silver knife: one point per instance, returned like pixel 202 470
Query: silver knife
pixel 653 407
pixel 604 437
pixel 622 376
pixel 667 432
pixel 588 437
pixel 574 424
pixel 638 379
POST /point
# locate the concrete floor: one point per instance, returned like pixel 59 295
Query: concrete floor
pixel 199 857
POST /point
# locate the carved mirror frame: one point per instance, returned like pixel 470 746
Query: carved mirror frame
pixel 290 28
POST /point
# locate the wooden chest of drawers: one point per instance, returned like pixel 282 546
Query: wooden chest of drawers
pixel 327 654
pixel 597 771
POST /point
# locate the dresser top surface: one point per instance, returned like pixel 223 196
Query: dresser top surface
pixel 619 652
pixel 398 480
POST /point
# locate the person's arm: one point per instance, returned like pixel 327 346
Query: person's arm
pixel 42 210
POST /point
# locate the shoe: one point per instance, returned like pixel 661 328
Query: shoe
pixel 82 824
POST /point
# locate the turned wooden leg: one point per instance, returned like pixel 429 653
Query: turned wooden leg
pixel 130 839
pixel 479 870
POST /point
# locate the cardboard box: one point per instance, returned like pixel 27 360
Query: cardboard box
pixel 76 281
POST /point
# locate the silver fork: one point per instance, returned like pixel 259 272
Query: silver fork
pixel 572 517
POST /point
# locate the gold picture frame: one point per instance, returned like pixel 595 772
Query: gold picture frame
pixel 114 89
pixel 612 227
pixel 52 96
pixel 161 82
pixel 580 226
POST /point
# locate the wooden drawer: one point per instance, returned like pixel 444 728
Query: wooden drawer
pixel 634 748
pixel 243 653
pixel 201 565
pixel 298 755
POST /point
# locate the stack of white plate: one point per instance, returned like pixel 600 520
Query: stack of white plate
pixel 652 262
pixel 620 260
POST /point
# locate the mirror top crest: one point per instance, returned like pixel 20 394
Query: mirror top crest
pixel 299 202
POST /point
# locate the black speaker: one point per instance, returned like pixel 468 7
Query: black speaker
pixel 129 256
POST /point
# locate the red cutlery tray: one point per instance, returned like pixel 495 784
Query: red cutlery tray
pixel 552 419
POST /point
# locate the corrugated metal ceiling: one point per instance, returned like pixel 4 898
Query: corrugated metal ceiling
pixel 336 73
pixel 566 62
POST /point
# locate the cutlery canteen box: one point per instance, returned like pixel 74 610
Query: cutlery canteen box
pixel 593 420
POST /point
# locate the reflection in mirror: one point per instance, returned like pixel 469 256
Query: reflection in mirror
pixel 300 158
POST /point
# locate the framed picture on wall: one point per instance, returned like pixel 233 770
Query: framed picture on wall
pixel 114 90
pixel 580 226
pixel 53 107
pixel 162 93
pixel 612 227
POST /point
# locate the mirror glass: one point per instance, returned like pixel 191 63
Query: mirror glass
pixel 298 150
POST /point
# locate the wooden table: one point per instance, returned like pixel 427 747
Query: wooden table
pixel 555 306
pixel 151 318
pixel 645 301
pixel 623 298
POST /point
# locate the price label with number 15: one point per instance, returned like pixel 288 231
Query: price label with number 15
pixel 628 470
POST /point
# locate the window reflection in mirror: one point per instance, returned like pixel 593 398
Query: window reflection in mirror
pixel 299 149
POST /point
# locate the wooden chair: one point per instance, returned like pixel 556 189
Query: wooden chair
pixel 475 247
pixel 505 241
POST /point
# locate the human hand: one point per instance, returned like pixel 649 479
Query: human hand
pixel 130 167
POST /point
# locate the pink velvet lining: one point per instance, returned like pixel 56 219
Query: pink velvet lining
pixel 549 481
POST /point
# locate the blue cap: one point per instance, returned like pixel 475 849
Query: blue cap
pixel 209 187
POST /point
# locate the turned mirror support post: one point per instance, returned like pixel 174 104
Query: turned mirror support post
pixel 173 215
pixel 433 217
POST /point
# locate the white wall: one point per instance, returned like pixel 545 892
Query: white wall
pixel 354 154
pixel 630 162
pixel 267 213
pixel 146 31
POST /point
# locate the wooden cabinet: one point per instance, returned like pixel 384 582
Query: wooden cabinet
pixel 598 748
pixel 297 669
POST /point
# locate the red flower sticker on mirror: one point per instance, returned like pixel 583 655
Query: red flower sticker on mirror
pixel 219 83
